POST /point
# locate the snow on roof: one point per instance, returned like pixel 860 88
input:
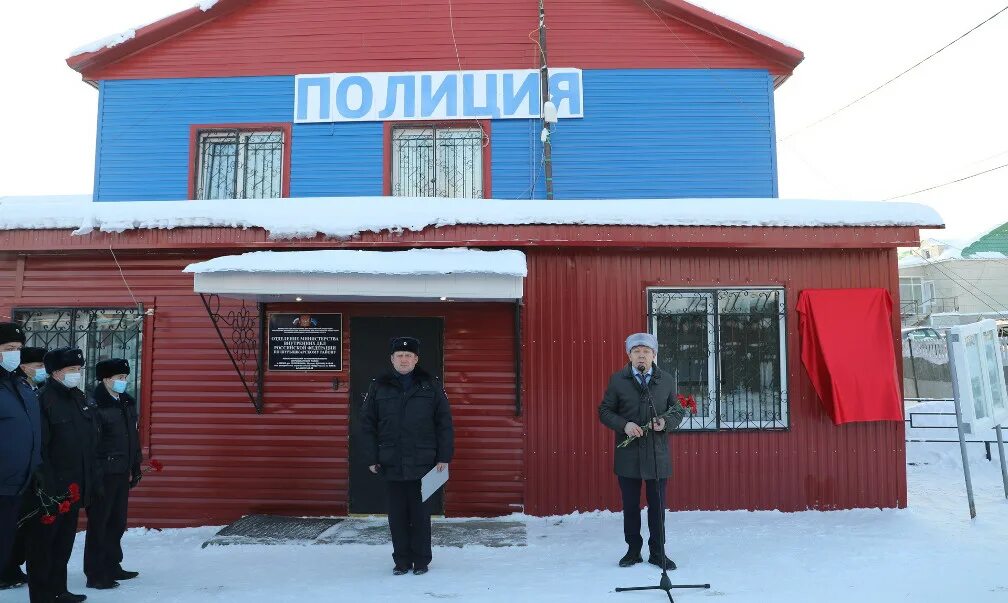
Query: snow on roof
pixel 349 261
pixel 348 216
pixel 949 255
pixel 118 38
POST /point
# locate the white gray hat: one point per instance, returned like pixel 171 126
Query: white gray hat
pixel 642 339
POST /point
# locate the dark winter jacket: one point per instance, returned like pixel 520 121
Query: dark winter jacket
pixel 20 434
pixel 625 401
pixel 406 432
pixel 70 434
pixel 119 446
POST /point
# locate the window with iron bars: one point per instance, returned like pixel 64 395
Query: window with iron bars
pixel 437 162
pixel 101 333
pixel 239 164
pixel 728 349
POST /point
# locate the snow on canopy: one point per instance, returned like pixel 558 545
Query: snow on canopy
pixel 349 261
pixel 349 216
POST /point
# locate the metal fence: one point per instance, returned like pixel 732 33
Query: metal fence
pixel 926 372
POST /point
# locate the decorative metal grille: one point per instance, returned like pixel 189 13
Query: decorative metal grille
pixel 236 164
pixel 101 333
pixel 242 333
pixel 728 349
pixel 437 162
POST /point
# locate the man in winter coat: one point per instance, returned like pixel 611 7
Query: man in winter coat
pixel 33 374
pixel 626 407
pixel 119 458
pixel 69 448
pixel 407 431
pixel 20 442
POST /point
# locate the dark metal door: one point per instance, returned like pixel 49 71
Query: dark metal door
pixel 370 357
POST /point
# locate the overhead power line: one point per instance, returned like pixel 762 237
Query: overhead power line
pixel 931 188
pixel 892 79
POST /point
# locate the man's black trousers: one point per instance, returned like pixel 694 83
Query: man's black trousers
pixel 631 489
pixel 409 523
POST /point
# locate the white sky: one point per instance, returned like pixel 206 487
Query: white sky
pixel 944 120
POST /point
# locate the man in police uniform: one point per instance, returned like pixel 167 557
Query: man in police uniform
pixel 70 435
pixel 407 431
pixel 119 457
pixel 20 444
pixel 33 374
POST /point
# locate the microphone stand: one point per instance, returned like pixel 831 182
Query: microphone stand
pixel 665 583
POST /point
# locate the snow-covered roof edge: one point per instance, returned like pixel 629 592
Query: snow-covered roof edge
pixel 508 262
pixel 345 217
pixel 118 38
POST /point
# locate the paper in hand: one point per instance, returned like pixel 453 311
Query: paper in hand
pixel 430 483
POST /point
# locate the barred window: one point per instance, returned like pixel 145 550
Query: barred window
pixel 437 162
pixel 101 333
pixel 239 164
pixel 727 347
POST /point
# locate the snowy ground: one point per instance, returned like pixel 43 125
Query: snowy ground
pixel 928 552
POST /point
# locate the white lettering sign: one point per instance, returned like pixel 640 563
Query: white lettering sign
pixel 427 95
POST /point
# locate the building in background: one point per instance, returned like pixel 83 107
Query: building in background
pixel 309 128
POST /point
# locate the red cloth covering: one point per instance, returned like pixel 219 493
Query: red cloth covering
pixel 847 347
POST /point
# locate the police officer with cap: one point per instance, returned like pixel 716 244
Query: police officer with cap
pixel 20 442
pixel 32 370
pixel 407 431
pixel 119 456
pixel 70 435
pixel 34 375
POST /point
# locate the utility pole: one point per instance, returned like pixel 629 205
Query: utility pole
pixel 544 97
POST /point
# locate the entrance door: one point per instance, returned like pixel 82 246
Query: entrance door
pixel 369 358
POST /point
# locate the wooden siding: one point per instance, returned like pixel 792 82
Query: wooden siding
pixel 284 37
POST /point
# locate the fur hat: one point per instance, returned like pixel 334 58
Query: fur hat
pixel 60 358
pixel 29 355
pixel 110 367
pixel 404 344
pixel 11 332
pixel 642 339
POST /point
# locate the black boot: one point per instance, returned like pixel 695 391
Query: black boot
pixel 102 584
pixel 420 570
pixel 399 570
pixel 632 556
pixel 122 574
pixel 13 579
pixel 69 597
pixel 655 558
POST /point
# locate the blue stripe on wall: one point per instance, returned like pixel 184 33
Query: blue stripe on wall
pixel 646 133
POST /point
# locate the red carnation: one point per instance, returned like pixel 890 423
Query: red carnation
pixel 74 491
pixel 64 507
pixel 155 465
pixel 48 520
pixel 688 402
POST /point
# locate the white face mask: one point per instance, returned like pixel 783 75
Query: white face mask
pixel 72 380
pixel 10 360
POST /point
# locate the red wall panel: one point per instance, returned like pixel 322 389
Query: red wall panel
pixel 222 460
pixel 580 307
pixel 284 37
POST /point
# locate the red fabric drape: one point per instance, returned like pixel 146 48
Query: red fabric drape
pixel 847 347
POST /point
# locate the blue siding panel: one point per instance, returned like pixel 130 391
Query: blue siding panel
pixel 337 160
pixel 144 146
pixel 668 133
pixel 646 133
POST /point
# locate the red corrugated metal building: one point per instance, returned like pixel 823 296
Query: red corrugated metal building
pixel 524 375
